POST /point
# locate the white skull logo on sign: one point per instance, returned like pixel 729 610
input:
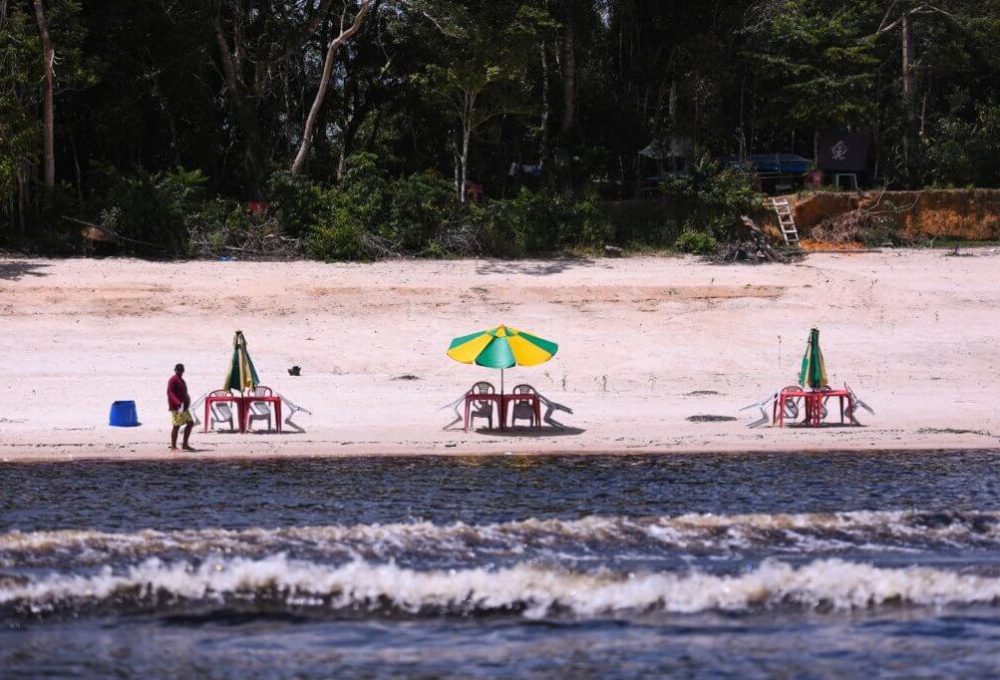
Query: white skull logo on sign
pixel 839 151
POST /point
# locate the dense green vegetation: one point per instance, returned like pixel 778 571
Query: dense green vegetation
pixel 205 128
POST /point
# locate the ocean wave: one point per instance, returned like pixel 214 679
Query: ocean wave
pixel 529 589
pixel 806 534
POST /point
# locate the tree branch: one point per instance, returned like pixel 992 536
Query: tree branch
pixel 331 53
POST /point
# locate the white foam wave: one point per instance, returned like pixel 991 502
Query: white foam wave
pixel 532 589
pixel 806 533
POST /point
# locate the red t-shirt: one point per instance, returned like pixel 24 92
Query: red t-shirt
pixel 177 393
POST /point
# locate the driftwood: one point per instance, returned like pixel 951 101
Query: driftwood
pixel 97 233
pixel 757 249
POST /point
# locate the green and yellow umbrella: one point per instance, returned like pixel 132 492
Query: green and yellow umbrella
pixel 242 375
pixel 813 371
pixel 502 347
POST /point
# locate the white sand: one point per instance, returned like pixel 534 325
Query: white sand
pixel 916 334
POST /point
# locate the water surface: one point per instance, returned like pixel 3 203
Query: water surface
pixel 813 564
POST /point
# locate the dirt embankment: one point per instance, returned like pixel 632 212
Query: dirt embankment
pixel 969 214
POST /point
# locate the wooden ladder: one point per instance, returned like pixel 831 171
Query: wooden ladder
pixel 786 221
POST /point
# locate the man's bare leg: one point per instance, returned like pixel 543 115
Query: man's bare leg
pixel 173 436
pixel 187 436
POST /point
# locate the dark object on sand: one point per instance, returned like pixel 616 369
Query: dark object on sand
pixel 407 376
pixel 295 370
pixel 757 249
pixel 709 419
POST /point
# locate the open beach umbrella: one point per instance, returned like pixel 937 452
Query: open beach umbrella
pixel 813 373
pixel 502 347
pixel 242 375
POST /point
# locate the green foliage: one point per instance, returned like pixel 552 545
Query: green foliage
pixel 538 223
pixel 296 201
pixel 20 130
pixel 965 151
pixel 155 208
pixel 817 60
pixel 696 243
pixel 348 212
pixel 711 198
pixel 418 208
pixel 340 237
pixel 641 223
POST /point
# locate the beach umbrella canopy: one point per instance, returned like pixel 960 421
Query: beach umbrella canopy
pixel 242 375
pixel 813 373
pixel 502 347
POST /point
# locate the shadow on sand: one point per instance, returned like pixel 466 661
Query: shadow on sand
pixel 525 431
pixel 535 267
pixel 15 271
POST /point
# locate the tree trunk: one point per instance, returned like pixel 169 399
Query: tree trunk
pixel 910 150
pixel 569 77
pixel 324 82
pixel 48 56
pixel 245 116
pixel 543 144
pixel 468 107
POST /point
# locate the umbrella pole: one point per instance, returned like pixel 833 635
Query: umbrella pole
pixel 501 382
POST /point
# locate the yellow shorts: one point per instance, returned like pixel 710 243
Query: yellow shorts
pixel 181 418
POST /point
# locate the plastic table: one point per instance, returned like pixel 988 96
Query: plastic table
pixel 813 400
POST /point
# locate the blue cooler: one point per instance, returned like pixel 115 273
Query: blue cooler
pixel 123 414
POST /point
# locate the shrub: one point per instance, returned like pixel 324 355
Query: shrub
pixel 340 237
pixel 963 152
pixel 696 243
pixel 155 208
pixel 537 223
pixel 420 205
pixel 295 201
pixel 711 199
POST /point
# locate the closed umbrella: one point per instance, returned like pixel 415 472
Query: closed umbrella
pixel 242 375
pixel 502 347
pixel 813 373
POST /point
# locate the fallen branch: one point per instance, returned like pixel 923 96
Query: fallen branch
pixel 113 235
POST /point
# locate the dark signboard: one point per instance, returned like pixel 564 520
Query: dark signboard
pixel 842 151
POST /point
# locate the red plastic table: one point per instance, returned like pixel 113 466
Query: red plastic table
pixel 240 407
pixel 813 402
pixel 269 400
pixel 474 397
pixel 536 406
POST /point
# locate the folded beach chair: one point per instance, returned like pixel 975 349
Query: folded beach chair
pixel 292 410
pixel 762 405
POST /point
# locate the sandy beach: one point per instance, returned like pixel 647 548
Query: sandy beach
pixel 645 344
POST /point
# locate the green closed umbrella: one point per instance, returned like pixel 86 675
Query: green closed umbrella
pixel 242 375
pixel 813 373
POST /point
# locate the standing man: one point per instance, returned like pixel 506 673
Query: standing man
pixel 179 403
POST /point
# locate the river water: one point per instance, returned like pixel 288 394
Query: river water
pixel 811 565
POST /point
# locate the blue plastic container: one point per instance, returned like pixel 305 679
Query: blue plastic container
pixel 123 414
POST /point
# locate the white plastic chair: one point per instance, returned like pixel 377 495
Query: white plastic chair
pixel 220 412
pixel 523 410
pixel 259 410
pixel 481 408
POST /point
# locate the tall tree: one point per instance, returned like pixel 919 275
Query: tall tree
pixel 346 33
pixel 48 122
